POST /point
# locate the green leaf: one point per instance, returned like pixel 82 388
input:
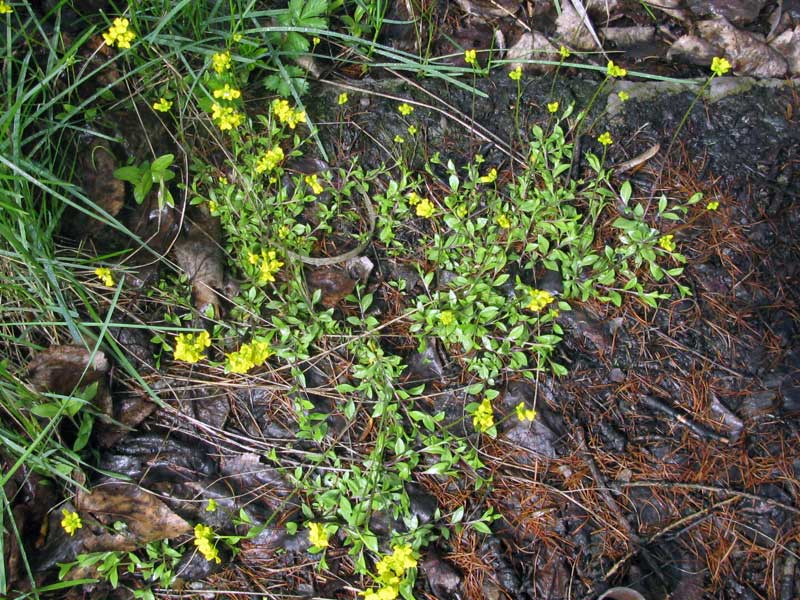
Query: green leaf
pixel 162 162
pixel 46 411
pixel 84 432
pixel 457 515
pixel 130 174
pixel 482 527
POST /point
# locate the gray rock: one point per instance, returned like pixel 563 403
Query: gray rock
pixel 788 45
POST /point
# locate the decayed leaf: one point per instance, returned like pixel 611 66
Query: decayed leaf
pixel 693 50
pixel 60 369
pixel 572 30
pixel 748 54
pixel 96 165
pixel 788 44
pixel 532 46
pixel 335 284
pixel 199 255
pixel 148 518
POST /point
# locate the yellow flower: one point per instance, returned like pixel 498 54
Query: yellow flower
pixel 163 105
pixel 412 130
pixel 226 117
pixel 227 93
pixel 490 177
pixel 119 33
pixel 471 57
pixel 524 413
pixel 414 198
pixel 402 558
pixel 425 208
pixel 248 356
pixel 104 274
pixel 71 521
pixel 270 160
pixel 203 536
pixel 483 418
pixel 315 40
pixel 539 299
pixel 713 205
pixel 221 61
pixel 405 109
pixel 667 242
pixel 613 70
pixel 564 52
pixel 720 66
pixel 266 264
pixel 5 9
pixel 388 592
pixel 342 99
pixel 213 207
pixel 317 535
pixel 313 182
pixel 211 506
pixel 623 95
pixel 399 139
pixel 286 114
pixel 189 346
pixel 552 107
pixel 446 317
pixel 515 74
pixel 503 221
pixel 605 139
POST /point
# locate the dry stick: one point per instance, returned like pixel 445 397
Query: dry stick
pixel 701 431
pixel 679 523
pixel 603 489
pixel 711 488
pixel 695 353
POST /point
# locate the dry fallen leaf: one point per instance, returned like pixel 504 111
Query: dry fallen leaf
pixel 148 518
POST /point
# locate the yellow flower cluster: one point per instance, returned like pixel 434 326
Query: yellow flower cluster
pixel 605 139
pixel 720 66
pixel 490 177
pixel 5 9
pixel 226 117
pixel 613 70
pixel 524 413
pixel 270 160
pixel 713 205
pixel 412 129
pixel 203 539
pixel 104 274
pixel 446 317
pixel 189 347
pixel 163 105
pixel 317 535
pixel 227 93
pixel 539 299
pixel 248 356
pixel 515 74
pixel 483 418
pixel 564 52
pixel 286 114
pixel 424 206
pixel 405 109
pixel 391 570
pixel 314 184
pixel 667 242
pixel 267 264
pixel 71 521
pixel 471 57
pixel 503 221
pixel 623 95
pixel 221 61
pixel 119 33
